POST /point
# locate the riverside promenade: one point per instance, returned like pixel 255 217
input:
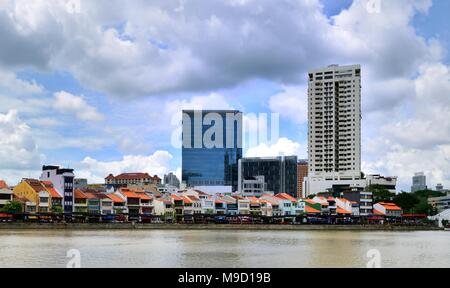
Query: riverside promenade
pixel 257 227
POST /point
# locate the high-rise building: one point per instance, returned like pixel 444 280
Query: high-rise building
pixel 280 173
pixel 212 146
pixel 302 173
pixel 419 182
pixel 62 180
pixel 172 180
pixel 334 132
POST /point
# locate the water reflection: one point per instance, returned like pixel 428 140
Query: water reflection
pixel 42 248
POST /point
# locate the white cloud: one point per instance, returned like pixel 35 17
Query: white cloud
pixel 18 149
pixel 68 103
pixel 155 164
pixel 291 103
pixel 283 147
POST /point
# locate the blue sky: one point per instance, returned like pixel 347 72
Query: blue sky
pixel 98 89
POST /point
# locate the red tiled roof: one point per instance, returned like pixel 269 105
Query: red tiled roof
pixel 130 194
pixel 311 210
pixel 80 194
pixel 176 198
pixel 144 196
pixel 342 211
pixel 128 176
pixel 3 185
pixel 378 213
pixel 286 197
pixel 49 186
pixel 115 198
pixel 390 206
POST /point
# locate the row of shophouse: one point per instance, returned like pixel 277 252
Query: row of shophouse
pixel 39 196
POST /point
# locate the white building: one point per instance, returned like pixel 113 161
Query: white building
pixel 390 183
pixel 62 180
pixel 6 195
pixel 334 132
pixel 252 187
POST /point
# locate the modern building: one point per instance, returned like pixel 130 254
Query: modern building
pixel 280 173
pixel 302 173
pixel 440 203
pixel 126 179
pixel 419 182
pixel 389 183
pixel 62 180
pixel 334 131
pixel 212 147
pixel 253 186
pixel 172 180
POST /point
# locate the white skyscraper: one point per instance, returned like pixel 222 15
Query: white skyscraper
pixel 334 132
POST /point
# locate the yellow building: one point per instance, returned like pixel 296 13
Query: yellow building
pixel 36 193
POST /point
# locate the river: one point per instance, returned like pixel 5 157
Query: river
pixel 245 249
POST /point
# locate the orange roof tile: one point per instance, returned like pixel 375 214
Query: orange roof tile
pixel 342 211
pixel 144 196
pixel 49 186
pixel 80 194
pixel 378 213
pixel 3 185
pixel 390 206
pixel 115 198
pixel 176 197
pixel 311 210
pixel 286 197
pixel 130 194
pixel 187 200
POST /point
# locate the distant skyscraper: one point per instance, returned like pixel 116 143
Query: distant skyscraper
pixel 302 172
pixel 334 132
pixel 439 187
pixel 212 146
pixel 172 180
pixel 419 182
pixel 280 173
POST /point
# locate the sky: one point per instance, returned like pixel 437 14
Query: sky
pixel 99 86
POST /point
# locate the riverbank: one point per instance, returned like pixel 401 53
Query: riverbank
pixel 140 226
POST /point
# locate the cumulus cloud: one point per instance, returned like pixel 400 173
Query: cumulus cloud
pixel 69 103
pixel 96 171
pixel 283 147
pixel 291 104
pixel 18 149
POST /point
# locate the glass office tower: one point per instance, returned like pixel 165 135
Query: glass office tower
pixel 212 147
pixel 280 173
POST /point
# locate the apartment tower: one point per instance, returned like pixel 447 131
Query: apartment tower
pixel 334 132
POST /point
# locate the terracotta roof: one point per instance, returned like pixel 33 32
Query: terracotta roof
pixel 115 198
pixel 3 185
pixel 144 196
pixel 80 194
pixel 36 185
pixel 193 198
pixel 311 210
pixel 127 176
pixel 286 197
pixel 130 194
pixel 253 200
pixel 390 206
pixel 342 211
pixel 176 198
pixel 219 201
pixel 268 201
pixel 49 186
pixel 187 200
pixel 378 213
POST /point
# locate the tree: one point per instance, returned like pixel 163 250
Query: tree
pixel 407 201
pixel 57 209
pixel 380 193
pixel 12 207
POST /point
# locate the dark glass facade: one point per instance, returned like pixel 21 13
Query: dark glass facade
pixel 205 164
pixel 280 173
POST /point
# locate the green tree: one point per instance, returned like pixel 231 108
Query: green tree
pixel 12 207
pixel 381 194
pixel 57 209
pixel 407 201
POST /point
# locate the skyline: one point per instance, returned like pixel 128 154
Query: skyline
pixel 102 100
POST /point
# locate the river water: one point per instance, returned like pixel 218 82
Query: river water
pixel 246 249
